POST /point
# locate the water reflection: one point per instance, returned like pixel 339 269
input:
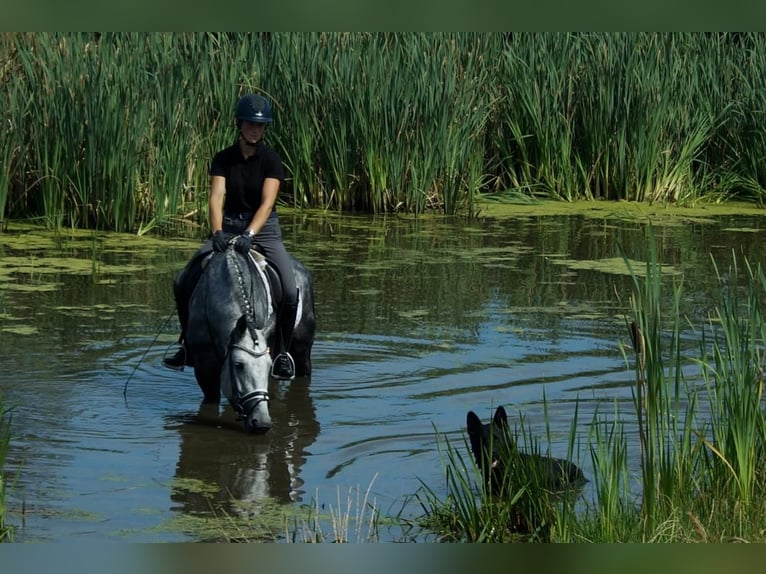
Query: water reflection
pixel 222 469
pixel 419 321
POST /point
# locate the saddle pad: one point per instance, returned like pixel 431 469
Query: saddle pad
pixel 259 261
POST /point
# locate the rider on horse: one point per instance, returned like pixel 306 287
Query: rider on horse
pixel 245 180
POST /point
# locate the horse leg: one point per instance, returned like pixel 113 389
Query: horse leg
pixel 209 382
pixel 303 337
pixel 301 352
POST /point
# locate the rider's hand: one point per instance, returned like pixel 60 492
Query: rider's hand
pixel 220 241
pixel 244 243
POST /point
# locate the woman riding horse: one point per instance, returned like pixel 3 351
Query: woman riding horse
pixel 245 180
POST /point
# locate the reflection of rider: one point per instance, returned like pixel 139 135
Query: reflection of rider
pixel 245 180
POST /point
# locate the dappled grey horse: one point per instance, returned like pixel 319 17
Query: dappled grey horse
pixel 232 329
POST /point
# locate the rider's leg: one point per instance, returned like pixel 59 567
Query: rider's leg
pixel 181 357
pixel 284 366
pixel 269 241
pixel 183 287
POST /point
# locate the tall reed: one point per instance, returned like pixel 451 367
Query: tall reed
pixel 665 425
pixel 6 529
pixel 695 431
pixel 116 130
pixel 732 367
pixel 522 505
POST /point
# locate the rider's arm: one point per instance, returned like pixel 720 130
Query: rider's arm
pixel 217 193
pixel 268 199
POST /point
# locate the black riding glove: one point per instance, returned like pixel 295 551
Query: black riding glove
pixel 244 243
pixel 220 241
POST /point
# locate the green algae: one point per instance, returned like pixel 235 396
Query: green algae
pixel 657 214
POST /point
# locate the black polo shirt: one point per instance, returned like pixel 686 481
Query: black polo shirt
pixel 244 177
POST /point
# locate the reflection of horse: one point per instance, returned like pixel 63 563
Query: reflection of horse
pixel 232 324
pixel 221 472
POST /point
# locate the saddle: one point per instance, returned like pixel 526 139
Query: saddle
pixel 267 271
pixel 260 265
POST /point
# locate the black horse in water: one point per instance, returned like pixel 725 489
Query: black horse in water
pixel 232 329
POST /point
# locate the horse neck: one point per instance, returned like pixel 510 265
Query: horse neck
pixel 244 286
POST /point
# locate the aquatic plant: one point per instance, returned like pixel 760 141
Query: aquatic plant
pixel 6 529
pixel 377 122
pixel 699 439
pixel 520 506
pixel 354 520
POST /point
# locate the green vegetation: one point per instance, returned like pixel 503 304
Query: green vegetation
pixel 697 429
pixel 6 530
pixel 354 519
pixel 115 131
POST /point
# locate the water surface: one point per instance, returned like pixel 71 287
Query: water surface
pixel 419 321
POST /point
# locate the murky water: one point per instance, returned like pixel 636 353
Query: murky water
pixel 419 320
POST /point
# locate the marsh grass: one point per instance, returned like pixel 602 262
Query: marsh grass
pixel 6 529
pixel 468 512
pixel 355 519
pixel 520 507
pixel 695 432
pixel 116 130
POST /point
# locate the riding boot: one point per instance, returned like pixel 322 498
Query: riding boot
pixel 182 357
pixel 284 366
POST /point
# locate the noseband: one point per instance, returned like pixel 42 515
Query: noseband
pixel 242 403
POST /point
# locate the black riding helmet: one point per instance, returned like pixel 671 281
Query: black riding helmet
pixel 254 108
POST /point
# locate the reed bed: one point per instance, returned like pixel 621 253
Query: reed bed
pixel 6 529
pixel 116 130
pixel 696 433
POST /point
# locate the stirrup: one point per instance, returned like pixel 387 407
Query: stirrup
pixel 283 367
pixel 178 361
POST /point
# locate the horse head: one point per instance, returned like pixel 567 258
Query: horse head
pixel 245 375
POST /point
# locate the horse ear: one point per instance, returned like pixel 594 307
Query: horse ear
pixel 500 418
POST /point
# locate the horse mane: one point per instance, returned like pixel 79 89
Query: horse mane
pixel 243 280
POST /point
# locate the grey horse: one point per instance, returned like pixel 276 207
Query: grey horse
pixel 231 331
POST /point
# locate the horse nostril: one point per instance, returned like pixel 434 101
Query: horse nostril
pixel 258 428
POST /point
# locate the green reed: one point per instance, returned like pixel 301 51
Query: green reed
pixel 732 368
pixel 696 431
pixel 523 509
pixel 116 131
pixel 6 529
pixel 658 386
pixel 609 455
pixel 465 515
pixel 354 520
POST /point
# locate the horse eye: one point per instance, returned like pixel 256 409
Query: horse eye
pixel 239 365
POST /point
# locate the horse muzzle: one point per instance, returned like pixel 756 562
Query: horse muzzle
pixel 253 409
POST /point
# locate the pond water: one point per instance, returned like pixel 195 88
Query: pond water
pixel 419 321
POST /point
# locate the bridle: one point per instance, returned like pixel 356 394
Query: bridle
pixel 243 404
